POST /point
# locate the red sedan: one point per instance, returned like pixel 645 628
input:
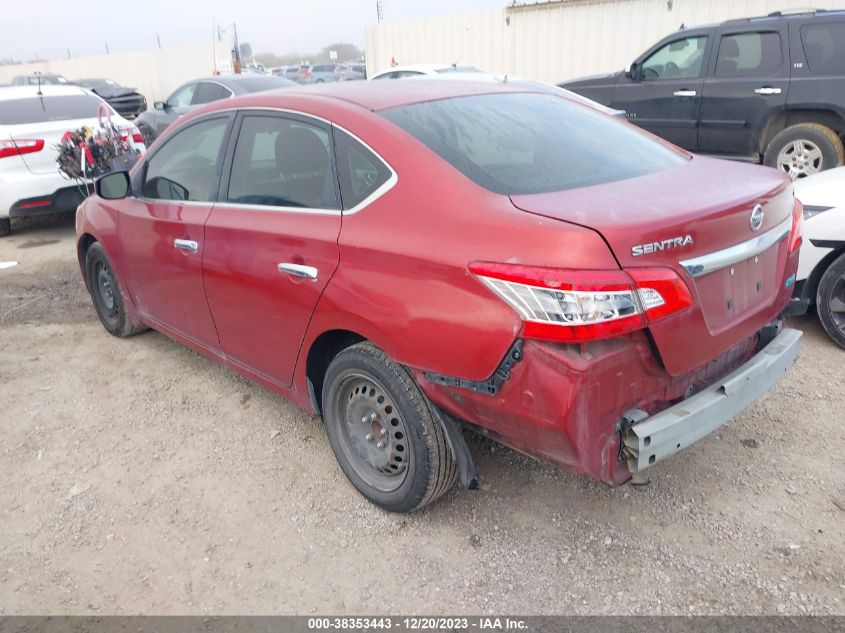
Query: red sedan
pixel 415 258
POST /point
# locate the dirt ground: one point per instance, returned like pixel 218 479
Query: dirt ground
pixel 138 477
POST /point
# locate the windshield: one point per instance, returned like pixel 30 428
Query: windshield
pixel 257 84
pixel 56 108
pixel 525 143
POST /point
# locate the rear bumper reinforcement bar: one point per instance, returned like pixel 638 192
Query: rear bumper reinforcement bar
pixel 654 438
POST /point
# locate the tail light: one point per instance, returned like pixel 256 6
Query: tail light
pixel 20 146
pixel 135 132
pixel 796 236
pixel 576 306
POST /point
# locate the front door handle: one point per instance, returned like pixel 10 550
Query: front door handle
pixel 186 245
pixel 685 93
pixel 298 270
pixel 768 90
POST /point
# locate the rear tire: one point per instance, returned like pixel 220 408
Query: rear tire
pixel 107 294
pixel 5 227
pixel 382 432
pixel 805 149
pixel 830 300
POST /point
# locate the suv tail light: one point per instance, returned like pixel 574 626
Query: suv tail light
pixel 135 132
pixel 20 146
pixel 796 236
pixel 575 306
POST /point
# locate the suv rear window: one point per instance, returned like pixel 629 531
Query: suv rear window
pixel 40 109
pixel 824 47
pixel 524 143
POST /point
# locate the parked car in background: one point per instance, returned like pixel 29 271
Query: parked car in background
pixel 350 72
pixel 400 258
pixel 198 92
pixel 821 270
pixel 417 70
pixel 44 80
pixel 31 125
pixel 766 89
pixel 316 73
pixel 126 101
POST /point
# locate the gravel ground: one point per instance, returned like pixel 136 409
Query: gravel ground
pixel 138 477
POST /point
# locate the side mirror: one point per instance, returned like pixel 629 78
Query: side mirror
pixel 113 186
pixel 160 105
pixel 633 72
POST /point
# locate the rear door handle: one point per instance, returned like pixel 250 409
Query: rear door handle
pixel 186 245
pixel 298 270
pixel 685 93
pixel 768 90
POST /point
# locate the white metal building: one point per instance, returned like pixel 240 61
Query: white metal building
pixel 556 40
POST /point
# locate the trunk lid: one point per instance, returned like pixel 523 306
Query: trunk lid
pixel 680 219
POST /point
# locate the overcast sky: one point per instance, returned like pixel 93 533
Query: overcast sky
pixel 49 27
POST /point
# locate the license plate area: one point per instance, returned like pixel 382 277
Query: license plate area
pixel 730 295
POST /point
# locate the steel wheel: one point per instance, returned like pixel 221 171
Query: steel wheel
pixel 104 285
pixel 800 159
pixel 373 434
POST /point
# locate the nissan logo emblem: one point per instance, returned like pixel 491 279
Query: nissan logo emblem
pixel 757 214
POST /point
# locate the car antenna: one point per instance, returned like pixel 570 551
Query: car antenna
pixel 38 77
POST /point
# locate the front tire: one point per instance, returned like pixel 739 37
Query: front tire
pixel 107 294
pixel 147 134
pixel 382 432
pixel 805 149
pixel 830 300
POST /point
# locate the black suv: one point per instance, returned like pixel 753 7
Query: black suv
pixel 769 88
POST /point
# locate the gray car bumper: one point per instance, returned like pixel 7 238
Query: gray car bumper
pixel 654 438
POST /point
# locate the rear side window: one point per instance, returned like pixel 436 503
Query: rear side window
pixel 749 55
pixel 187 165
pixel 41 109
pixel 282 162
pixel 824 47
pixel 208 91
pixel 360 172
pixel 524 143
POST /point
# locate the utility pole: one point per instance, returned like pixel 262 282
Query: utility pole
pixel 380 10
pixel 107 49
pixel 68 53
pixel 237 50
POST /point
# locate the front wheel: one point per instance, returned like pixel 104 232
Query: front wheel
pixel 107 294
pixel 830 301
pixel 805 149
pixel 382 432
pixel 147 134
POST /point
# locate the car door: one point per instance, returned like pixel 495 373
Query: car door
pixel 663 93
pixel 271 240
pixel 162 224
pixel 747 81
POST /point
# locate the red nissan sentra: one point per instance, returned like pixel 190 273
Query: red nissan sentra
pixel 407 259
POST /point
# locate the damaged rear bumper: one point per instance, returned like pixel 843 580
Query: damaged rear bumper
pixel 656 437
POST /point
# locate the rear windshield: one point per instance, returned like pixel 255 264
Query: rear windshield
pixel 55 108
pixel 524 143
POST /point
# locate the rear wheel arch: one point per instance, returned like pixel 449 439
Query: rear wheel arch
pixel 782 119
pixel 83 244
pixel 320 355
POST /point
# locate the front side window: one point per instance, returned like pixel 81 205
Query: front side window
pixel 681 59
pixel 184 96
pixel 749 55
pixel 525 143
pixel 824 47
pixel 187 165
pixel 359 171
pixel 282 162
pixel 208 91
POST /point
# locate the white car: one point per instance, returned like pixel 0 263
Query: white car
pixel 420 70
pixel 31 125
pixel 821 269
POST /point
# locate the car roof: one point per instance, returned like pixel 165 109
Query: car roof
pixel 22 92
pixel 389 94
